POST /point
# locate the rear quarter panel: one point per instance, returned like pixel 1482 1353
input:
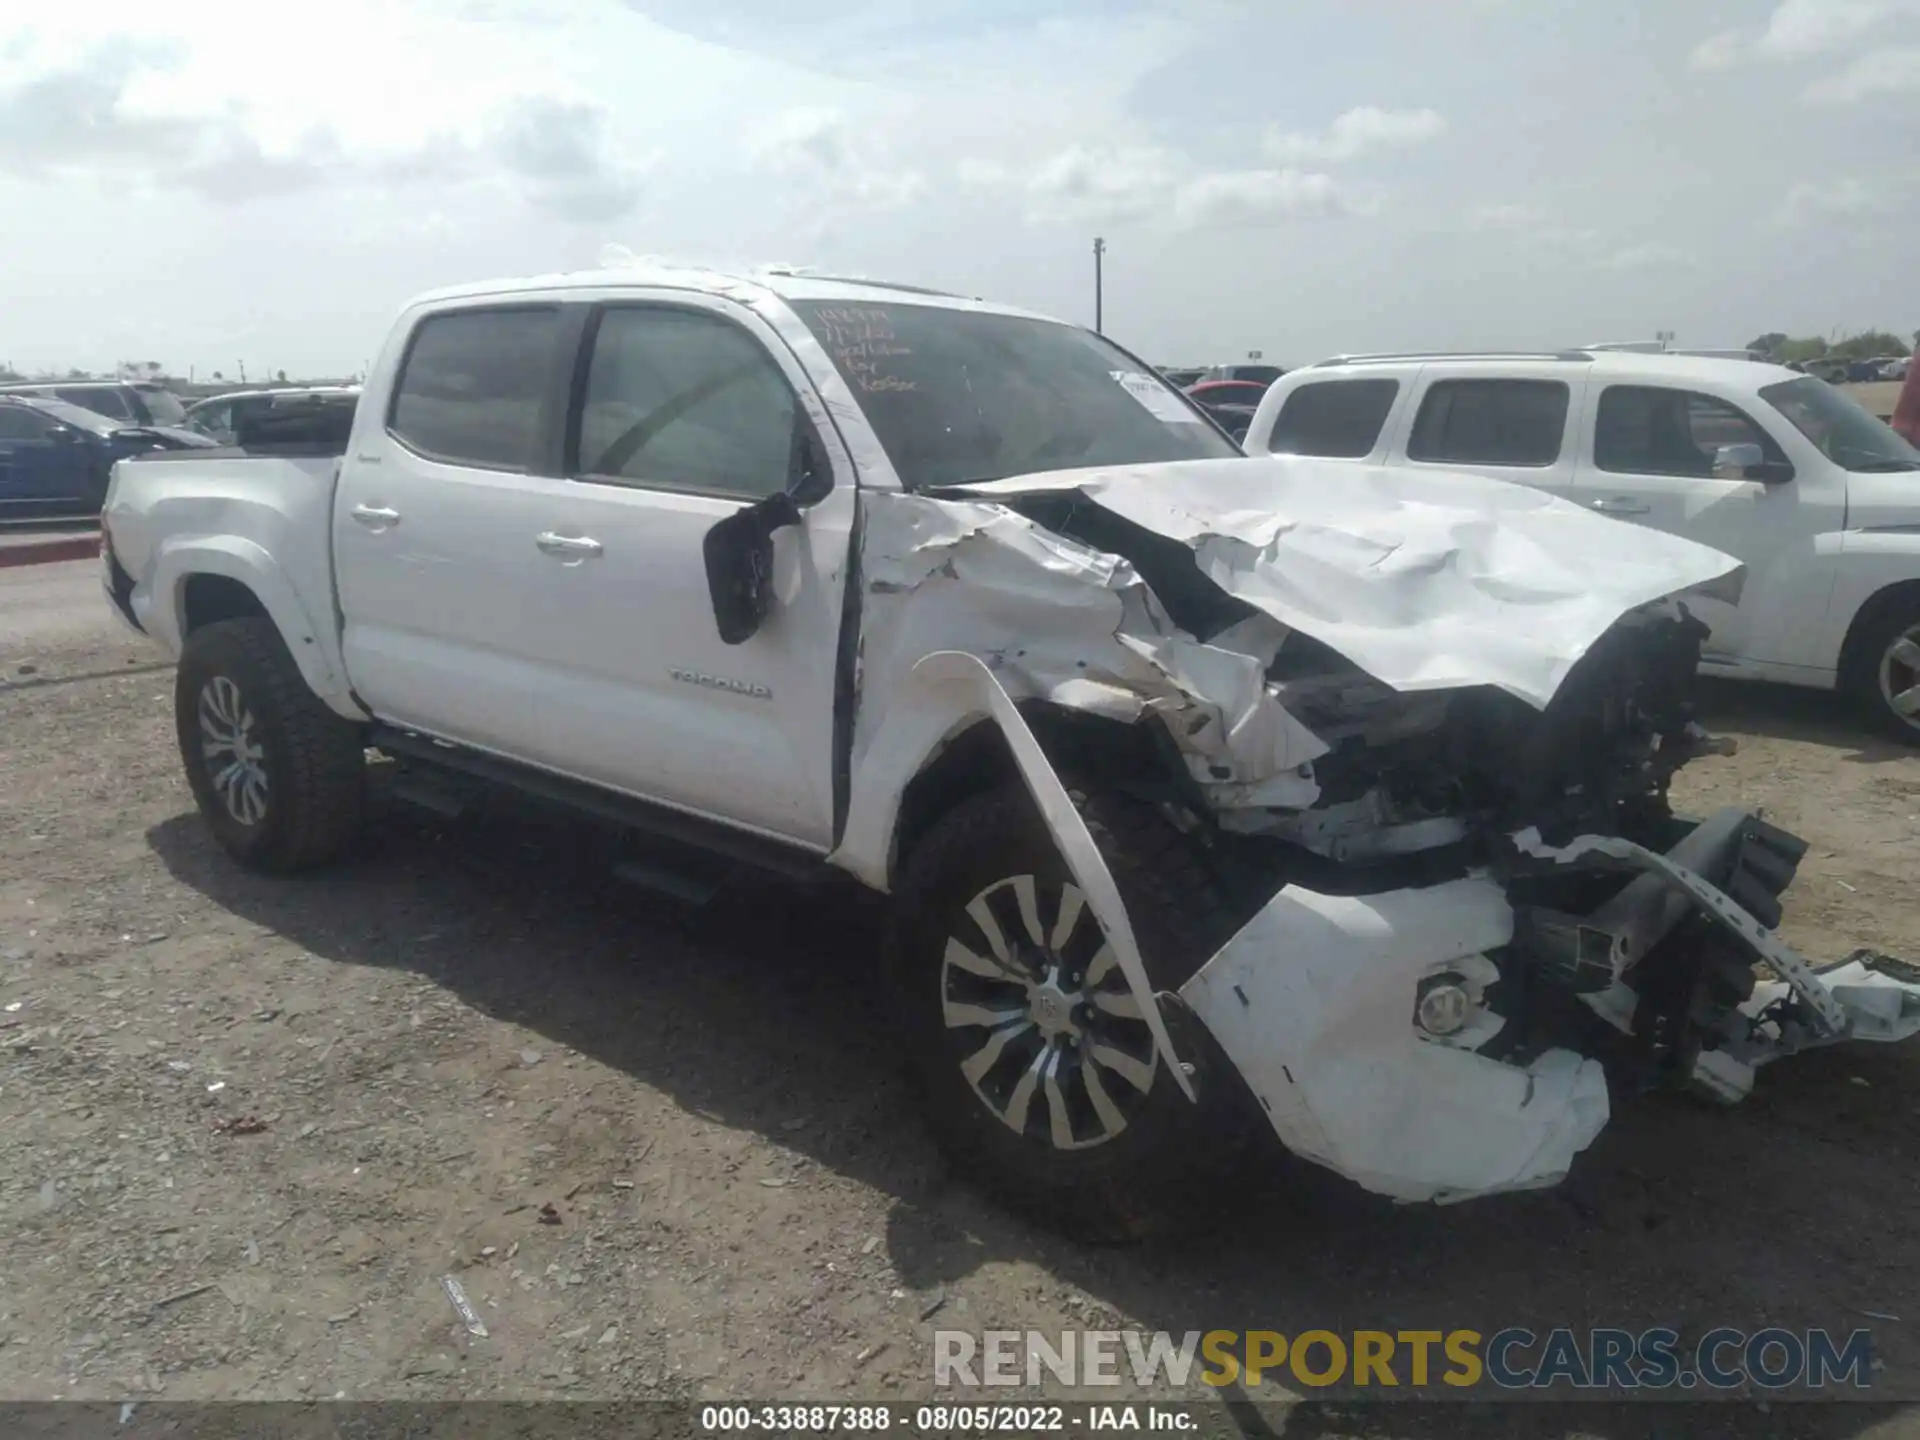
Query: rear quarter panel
pixel 262 521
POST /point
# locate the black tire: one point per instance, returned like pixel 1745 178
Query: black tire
pixel 1878 674
pixel 311 760
pixel 1168 1159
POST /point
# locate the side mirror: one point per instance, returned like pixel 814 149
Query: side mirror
pixel 62 434
pixel 1737 462
pixel 739 549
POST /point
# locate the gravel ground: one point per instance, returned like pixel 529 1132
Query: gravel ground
pixel 248 1127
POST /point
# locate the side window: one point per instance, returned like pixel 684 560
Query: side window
pixel 473 385
pixel 19 423
pixel 1651 430
pixel 1338 419
pixel 102 401
pixel 1491 422
pixel 686 401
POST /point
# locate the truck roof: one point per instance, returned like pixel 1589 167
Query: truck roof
pixel 786 283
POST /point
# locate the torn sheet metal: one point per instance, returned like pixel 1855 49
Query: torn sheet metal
pixel 1314 1001
pixel 1781 957
pixel 953 670
pixel 1425 578
pixel 1059 621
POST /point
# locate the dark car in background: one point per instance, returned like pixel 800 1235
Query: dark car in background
pixel 291 415
pixel 133 402
pixel 1230 402
pixel 57 457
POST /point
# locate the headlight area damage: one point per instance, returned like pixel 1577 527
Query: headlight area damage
pixel 1429 722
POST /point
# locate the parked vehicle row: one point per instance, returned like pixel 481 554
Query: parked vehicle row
pixel 141 403
pixel 1209 790
pixel 56 457
pixel 1817 499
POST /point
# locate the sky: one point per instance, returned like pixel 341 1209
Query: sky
pixel 218 183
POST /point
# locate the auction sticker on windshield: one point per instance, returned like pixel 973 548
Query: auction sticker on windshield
pixel 1158 401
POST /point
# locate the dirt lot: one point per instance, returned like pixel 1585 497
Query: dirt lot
pixel 247 1127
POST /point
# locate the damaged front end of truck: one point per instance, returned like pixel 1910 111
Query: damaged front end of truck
pixel 1430 724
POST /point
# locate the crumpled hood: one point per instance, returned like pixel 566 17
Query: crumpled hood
pixel 1426 579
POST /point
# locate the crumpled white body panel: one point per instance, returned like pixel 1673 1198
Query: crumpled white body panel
pixel 1424 578
pixel 1313 1003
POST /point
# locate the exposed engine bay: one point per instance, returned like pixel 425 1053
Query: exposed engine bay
pixel 1440 772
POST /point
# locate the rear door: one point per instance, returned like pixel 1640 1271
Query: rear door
pixel 444 596
pixel 1649 457
pixel 1489 420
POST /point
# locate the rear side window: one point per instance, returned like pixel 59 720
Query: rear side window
pixel 102 401
pixel 1337 419
pixel 473 384
pixel 1491 422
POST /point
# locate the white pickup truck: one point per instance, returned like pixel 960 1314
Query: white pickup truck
pixel 1332 799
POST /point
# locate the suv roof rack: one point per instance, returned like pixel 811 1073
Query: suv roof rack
pixel 1570 356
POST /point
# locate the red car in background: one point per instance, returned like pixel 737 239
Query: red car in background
pixel 1230 402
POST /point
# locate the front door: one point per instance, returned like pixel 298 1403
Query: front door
pixel 1650 458
pixel 685 412
pixel 40 460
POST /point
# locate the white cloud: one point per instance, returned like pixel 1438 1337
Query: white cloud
pixel 1720 52
pixel 1252 197
pixel 1105 183
pixel 1894 71
pixel 1354 134
pixel 1151 184
pixel 1650 256
pixel 115 110
pixel 1848 198
pixel 1800 28
pixel 822 146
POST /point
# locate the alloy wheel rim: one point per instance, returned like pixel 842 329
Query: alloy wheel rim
pixel 1900 676
pixel 1049 1035
pixel 236 760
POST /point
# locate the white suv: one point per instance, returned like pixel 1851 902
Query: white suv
pixel 1817 499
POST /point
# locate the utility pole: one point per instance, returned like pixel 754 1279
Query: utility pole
pixel 1099 249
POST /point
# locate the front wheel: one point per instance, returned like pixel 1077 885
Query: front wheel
pixel 1886 678
pixel 1041 1077
pixel 278 776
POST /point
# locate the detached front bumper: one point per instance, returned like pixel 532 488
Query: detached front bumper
pixel 1314 1001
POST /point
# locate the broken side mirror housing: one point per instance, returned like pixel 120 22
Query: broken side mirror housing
pixel 739 549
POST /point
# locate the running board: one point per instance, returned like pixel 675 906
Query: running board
pixel 673 827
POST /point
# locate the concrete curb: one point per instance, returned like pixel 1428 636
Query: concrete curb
pixel 35 551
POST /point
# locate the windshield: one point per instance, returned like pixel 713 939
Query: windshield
pixel 162 404
pixel 1835 422
pixel 958 397
pixel 72 415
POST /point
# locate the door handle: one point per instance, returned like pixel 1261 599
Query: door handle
pixel 375 516
pixel 573 547
pixel 1621 506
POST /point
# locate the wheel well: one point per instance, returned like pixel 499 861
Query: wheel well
pixel 978 759
pixel 209 598
pixel 1878 606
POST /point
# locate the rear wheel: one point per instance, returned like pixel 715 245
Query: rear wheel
pixel 1886 676
pixel 278 776
pixel 1041 1076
